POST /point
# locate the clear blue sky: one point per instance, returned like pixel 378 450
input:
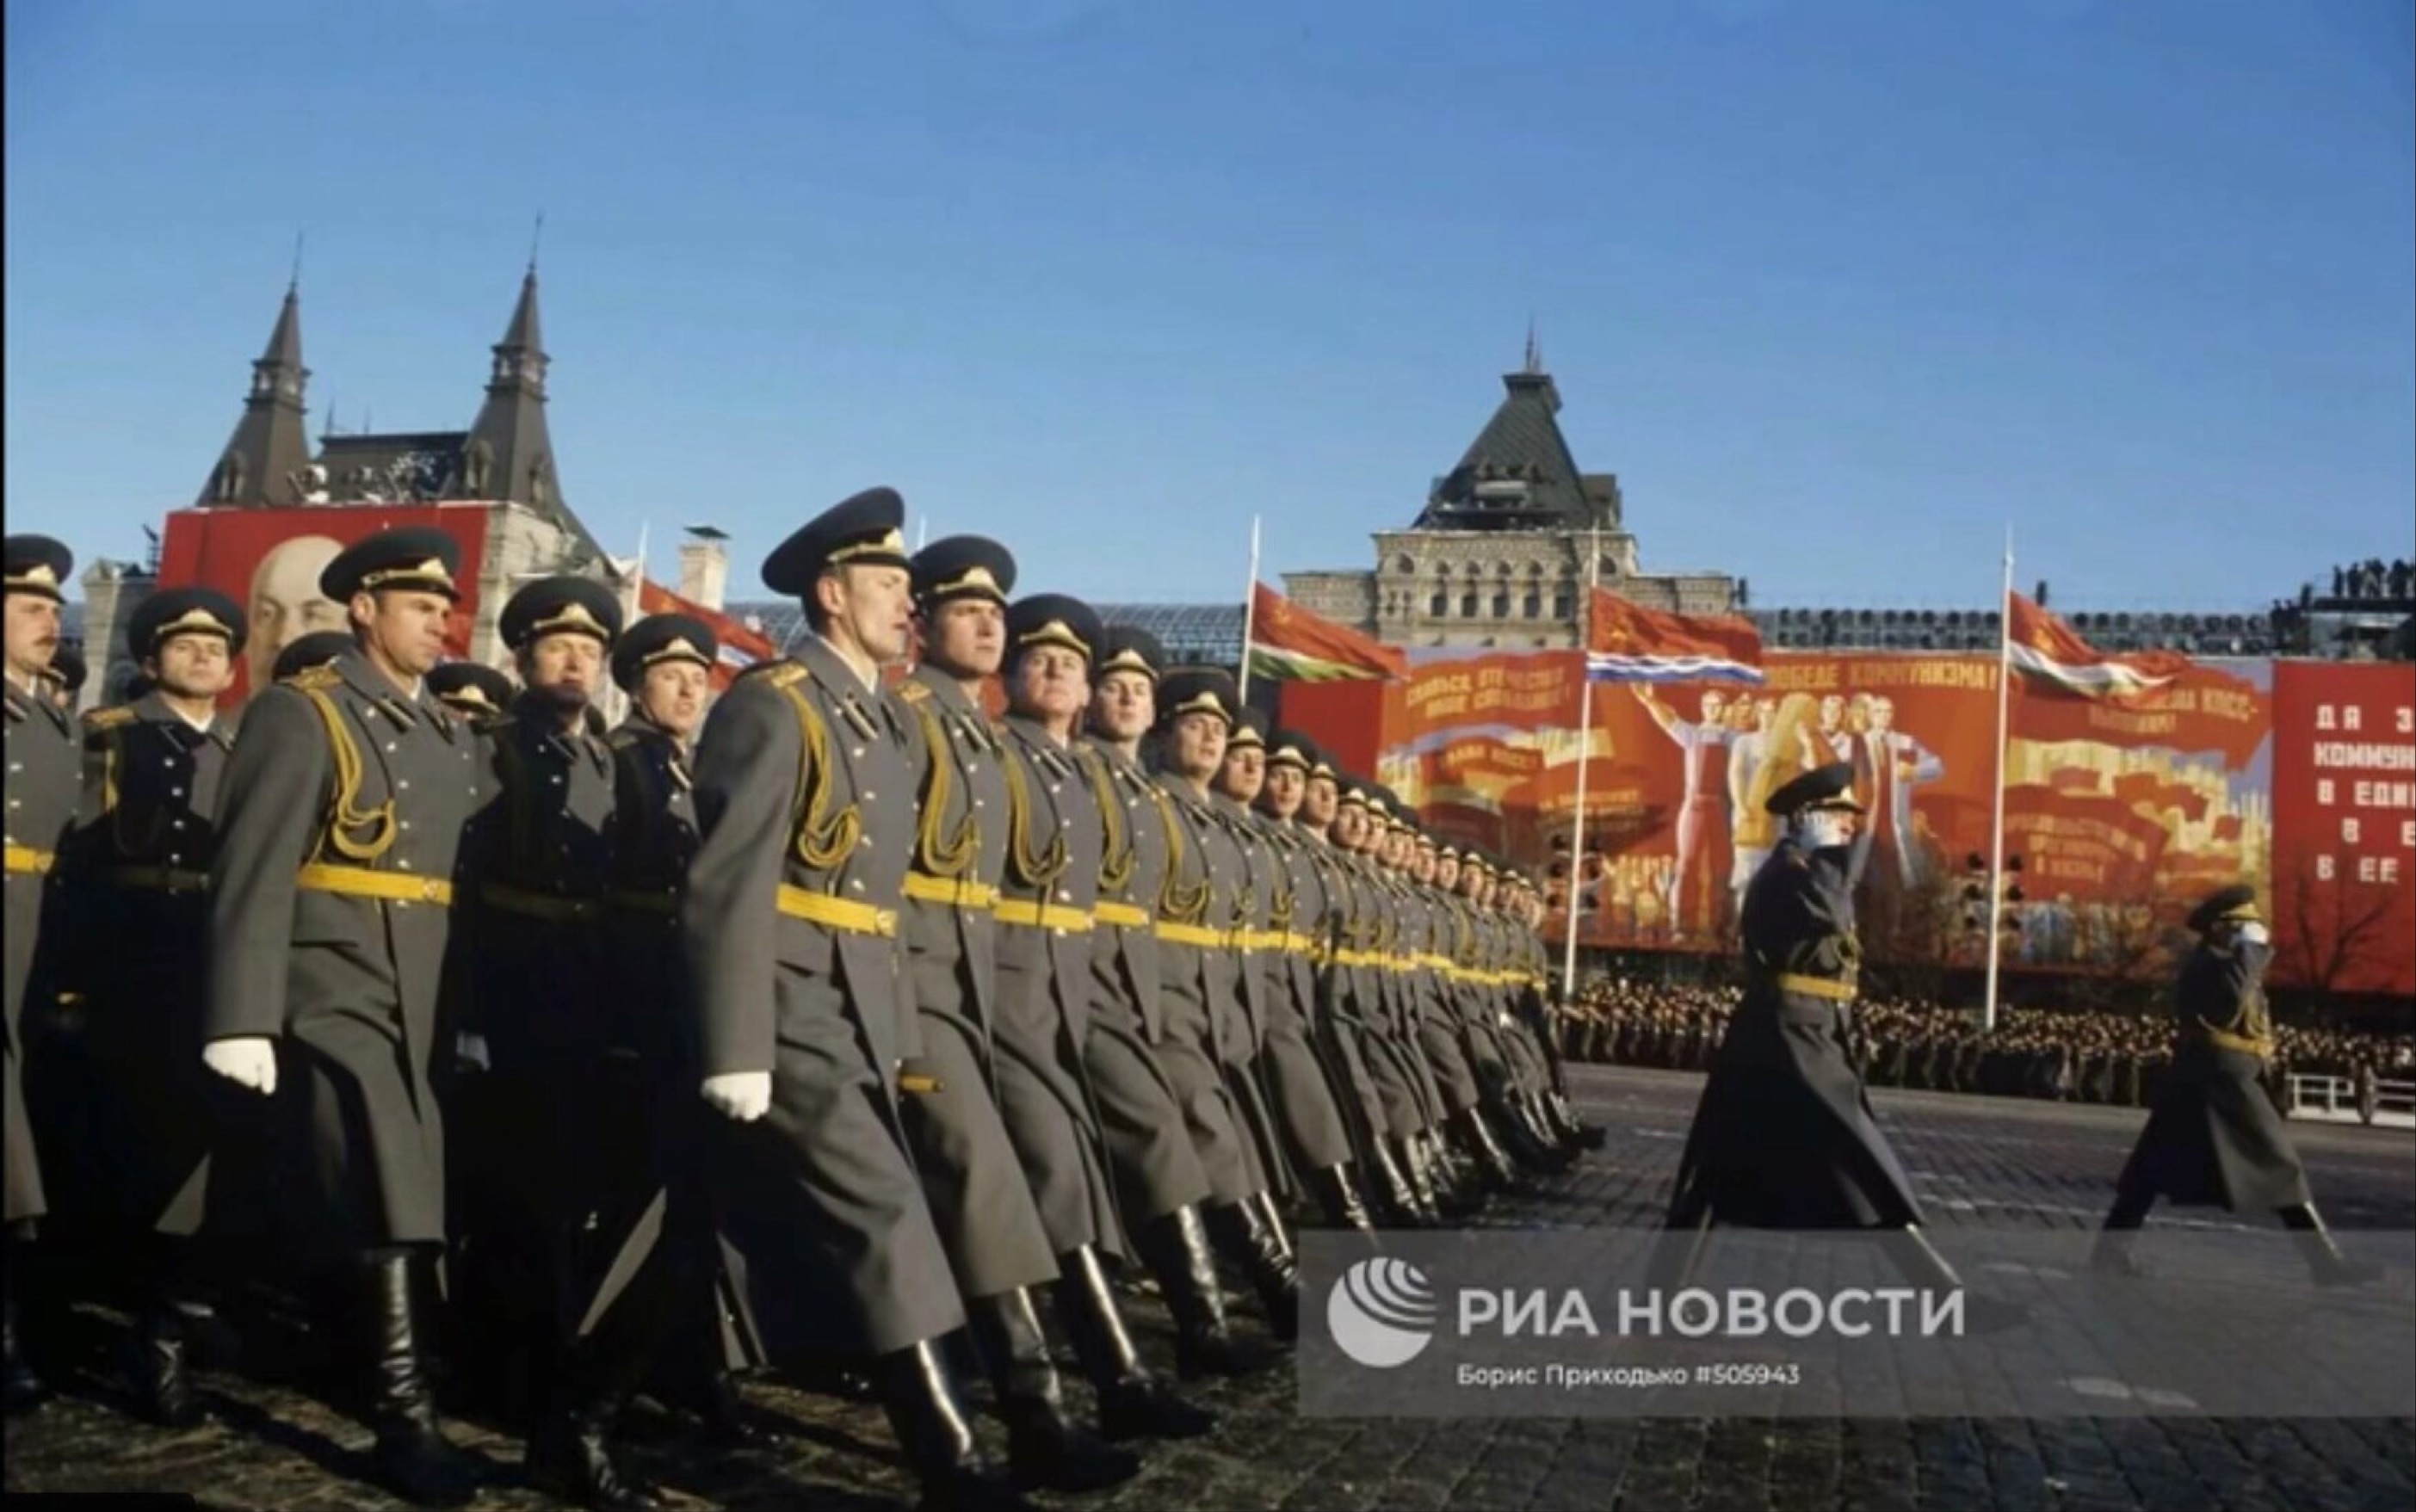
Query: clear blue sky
pixel 1837 288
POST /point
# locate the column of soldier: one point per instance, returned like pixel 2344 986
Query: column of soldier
pixel 841 1020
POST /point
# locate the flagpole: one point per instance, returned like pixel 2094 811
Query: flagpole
pixel 1997 822
pixel 1249 610
pixel 1585 750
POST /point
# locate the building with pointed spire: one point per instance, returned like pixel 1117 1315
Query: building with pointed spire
pixel 265 461
pixel 1499 554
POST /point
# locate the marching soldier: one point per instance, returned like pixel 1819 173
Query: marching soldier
pixel 1150 1054
pixel 968 1154
pixel 1302 795
pixel 43 770
pixel 340 814
pixel 2214 1137
pixel 805 810
pixel 1783 1136
pixel 476 693
pixel 574 1057
pixel 664 663
pixel 140 864
pixel 1291 1069
pixel 1201 990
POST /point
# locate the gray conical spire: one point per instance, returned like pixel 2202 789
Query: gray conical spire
pixel 264 459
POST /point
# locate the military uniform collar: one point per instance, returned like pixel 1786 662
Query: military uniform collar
pixel 154 708
pixel 823 660
pixel 21 703
pixel 944 687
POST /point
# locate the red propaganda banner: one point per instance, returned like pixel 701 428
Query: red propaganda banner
pixel 2344 874
pixel 1288 641
pixel 2123 812
pixel 269 562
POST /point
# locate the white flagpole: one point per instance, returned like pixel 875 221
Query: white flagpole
pixel 1249 608
pixel 1996 824
pixel 1585 750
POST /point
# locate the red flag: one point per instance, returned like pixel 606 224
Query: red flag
pixel 1626 643
pixel 2053 653
pixel 1289 642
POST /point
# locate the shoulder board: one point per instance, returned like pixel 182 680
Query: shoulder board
pixel 315 679
pixel 624 739
pixel 913 691
pixel 1795 859
pixel 110 719
pixel 779 673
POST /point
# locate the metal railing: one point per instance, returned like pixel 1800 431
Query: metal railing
pixel 2315 1094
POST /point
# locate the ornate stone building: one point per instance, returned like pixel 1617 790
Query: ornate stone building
pixel 1498 557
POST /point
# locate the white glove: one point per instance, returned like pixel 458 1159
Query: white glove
pixel 2252 932
pixel 470 1050
pixel 251 1061
pixel 741 1096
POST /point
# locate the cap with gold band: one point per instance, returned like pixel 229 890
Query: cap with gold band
pixel 316 649
pixel 962 567
pixel 866 529
pixel 415 559
pixel 470 687
pixel 1353 793
pixel 2236 903
pixel 1202 691
pixel 175 612
pixel 1823 787
pixel 1053 619
pixel 1130 648
pixel 1250 729
pixel 561 606
pixel 1289 747
pixel 658 639
pixel 39 565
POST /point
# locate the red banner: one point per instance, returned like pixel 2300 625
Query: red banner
pixel 2344 887
pixel 269 562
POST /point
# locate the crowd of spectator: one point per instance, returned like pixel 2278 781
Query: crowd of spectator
pixel 2071 1056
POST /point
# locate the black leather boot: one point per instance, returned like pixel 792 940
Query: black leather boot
pixel 937 1436
pixel 1475 1140
pixel 570 1456
pixel 1507 1123
pixel 1176 1249
pixel 1417 1159
pixel 2326 1265
pixel 157 1376
pixel 1396 1198
pixel 1339 1200
pixel 1045 1446
pixel 26 1390
pixel 1583 1135
pixel 413 1457
pixel 1251 1237
pixel 1133 1403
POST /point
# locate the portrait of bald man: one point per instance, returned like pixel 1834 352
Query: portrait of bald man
pixel 285 603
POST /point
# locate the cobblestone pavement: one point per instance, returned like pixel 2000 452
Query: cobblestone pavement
pixel 270 1444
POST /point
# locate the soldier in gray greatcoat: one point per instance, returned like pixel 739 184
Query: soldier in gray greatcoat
pixel 341 817
pixel 140 863
pixel 1151 1051
pixel 42 783
pixel 969 1154
pixel 2214 1137
pixel 806 814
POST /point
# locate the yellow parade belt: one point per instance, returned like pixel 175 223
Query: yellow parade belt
pixel 1192 934
pixel 838 913
pixel 26 860
pixel 1032 914
pixel 1123 915
pixel 2226 1039
pixel 1828 987
pixel 158 879
pixel 550 907
pixel 664 903
pixel 959 892
pixel 1295 945
pixel 387 886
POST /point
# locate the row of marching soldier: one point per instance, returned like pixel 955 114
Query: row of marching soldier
pixel 842 1022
